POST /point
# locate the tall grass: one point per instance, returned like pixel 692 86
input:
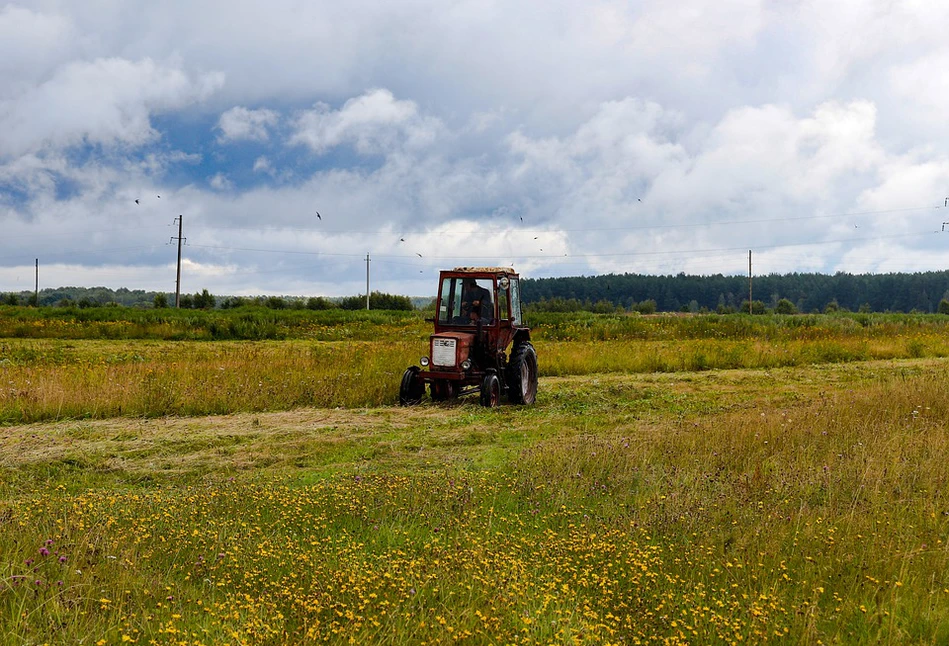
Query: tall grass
pixel 246 323
pixel 45 379
pixel 50 381
pixel 257 323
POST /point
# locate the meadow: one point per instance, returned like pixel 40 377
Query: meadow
pixel 681 480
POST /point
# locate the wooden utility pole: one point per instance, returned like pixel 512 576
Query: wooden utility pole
pixel 367 280
pixel 36 289
pixel 178 277
pixel 750 310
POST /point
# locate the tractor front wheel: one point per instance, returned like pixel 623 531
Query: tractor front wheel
pixel 412 388
pixel 522 374
pixel 491 391
pixel 442 390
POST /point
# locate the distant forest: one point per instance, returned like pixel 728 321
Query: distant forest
pixel 84 297
pixel 921 292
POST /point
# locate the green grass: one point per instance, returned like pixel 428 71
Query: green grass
pixel 800 496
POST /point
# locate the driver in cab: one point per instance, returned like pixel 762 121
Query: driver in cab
pixel 476 302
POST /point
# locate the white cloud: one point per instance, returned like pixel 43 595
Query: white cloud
pixel 220 182
pixel 108 101
pixel 239 123
pixel 263 165
pixel 31 45
pixel 374 123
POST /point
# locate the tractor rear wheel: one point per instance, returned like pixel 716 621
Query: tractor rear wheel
pixel 522 374
pixel 442 390
pixel 412 388
pixel 491 391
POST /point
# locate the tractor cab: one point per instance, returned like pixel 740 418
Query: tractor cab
pixel 477 316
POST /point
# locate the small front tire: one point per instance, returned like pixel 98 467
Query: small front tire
pixel 442 390
pixel 491 391
pixel 412 388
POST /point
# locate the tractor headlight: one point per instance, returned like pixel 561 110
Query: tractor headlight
pixel 466 364
pixel 423 361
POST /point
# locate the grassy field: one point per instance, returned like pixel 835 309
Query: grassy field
pixel 700 480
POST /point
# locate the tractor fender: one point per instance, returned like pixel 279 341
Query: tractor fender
pixel 521 335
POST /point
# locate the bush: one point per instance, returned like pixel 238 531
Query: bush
pixel 203 300
pixel 646 307
pixel 757 307
pixel 319 303
pixel 785 306
pixel 943 306
pixel 377 301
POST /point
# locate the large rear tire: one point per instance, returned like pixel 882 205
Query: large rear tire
pixel 412 388
pixel 522 374
pixel 491 391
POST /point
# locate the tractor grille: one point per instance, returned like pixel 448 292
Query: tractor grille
pixel 443 352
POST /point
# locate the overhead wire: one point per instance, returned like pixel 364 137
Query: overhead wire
pixel 502 229
pixel 547 259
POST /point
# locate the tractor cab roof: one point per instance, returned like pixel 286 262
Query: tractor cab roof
pixel 492 271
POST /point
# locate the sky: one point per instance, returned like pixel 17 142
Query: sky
pixel 561 138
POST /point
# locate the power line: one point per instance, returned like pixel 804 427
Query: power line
pixel 638 227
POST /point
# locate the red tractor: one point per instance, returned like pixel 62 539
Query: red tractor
pixel 477 316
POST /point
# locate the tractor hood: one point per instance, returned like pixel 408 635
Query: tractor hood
pixel 449 349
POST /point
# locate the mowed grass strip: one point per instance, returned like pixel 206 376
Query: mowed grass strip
pixel 797 505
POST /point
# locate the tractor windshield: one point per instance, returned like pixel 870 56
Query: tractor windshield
pixel 465 301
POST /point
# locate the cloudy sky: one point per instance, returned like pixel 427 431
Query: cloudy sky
pixel 560 137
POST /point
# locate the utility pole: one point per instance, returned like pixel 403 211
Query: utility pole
pixel 367 280
pixel 36 289
pixel 178 278
pixel 750 311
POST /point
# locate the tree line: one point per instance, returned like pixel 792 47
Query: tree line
pixel 785 293
pixel 85 297
pixel 925 292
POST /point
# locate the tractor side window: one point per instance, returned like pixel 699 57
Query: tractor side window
pixel 450 305
pixel 515 302
pixel 503 312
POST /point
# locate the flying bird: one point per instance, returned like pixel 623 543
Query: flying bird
pixel 535 237
pixel 136 201
pixel 639 199
pixel 418 254
pixel 319 217
pixel 522 218
pixel 401 239
pixel 158 196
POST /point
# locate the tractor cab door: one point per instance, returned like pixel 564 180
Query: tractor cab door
pixel 509 309
pixel 515 296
